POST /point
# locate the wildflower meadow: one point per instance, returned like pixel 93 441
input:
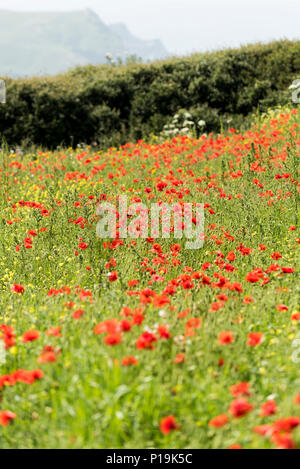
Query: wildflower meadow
pixel 136 341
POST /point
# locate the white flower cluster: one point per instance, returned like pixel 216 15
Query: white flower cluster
pixel 295 87
pixel 2 353
pixel 2 92
pixel 110 59
pixel 182 124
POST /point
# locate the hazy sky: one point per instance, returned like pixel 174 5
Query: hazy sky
pixel 188 25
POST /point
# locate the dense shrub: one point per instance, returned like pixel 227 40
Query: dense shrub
pixel 111 105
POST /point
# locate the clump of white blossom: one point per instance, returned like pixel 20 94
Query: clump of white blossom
pixel 182 123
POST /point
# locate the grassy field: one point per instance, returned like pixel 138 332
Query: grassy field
pixel 142 343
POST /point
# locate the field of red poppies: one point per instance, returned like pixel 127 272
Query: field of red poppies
pixel 141 343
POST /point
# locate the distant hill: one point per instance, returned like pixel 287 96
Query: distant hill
pixel 51 43
pixel 150 50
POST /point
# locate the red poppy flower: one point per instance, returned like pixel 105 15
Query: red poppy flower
pixel 82 245
pixel 6 416
pixel 219 421
pixel 17 288
pixel 163 332
pixel 264 430
pixel 168 424
pixel 113 339
pixel 110 326
pixel 240 389
pixel 240 407
pixel 231 256
pixel 295 317
pixel 286 424
pixel 112 276
pixel 146 340
pixel 297 399
pixel 216 306
pixel 226 338
pixel 255 276
pixel 248 299
pixel 78 314
pixel 47 357
pixel 283 441
pixel 254 338
pixel 133 283
pixel 55 331
pixel 276 255
pixel 282 308
pixel 160 300
pixel 127 361
pixel 268 408
pixel 30 336
pixel 180 358
pixel 288 270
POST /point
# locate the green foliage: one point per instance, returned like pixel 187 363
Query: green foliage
pixel 111 105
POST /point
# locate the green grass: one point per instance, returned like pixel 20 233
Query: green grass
pixel 87 399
